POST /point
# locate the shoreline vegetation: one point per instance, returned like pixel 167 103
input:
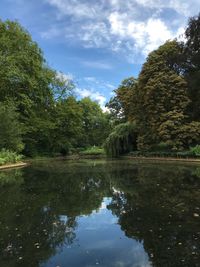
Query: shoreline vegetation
pixel 9 159
pixel 153 116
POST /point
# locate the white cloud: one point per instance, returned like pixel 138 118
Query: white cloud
pixel 94 95
pixel 74 8
pixel 89 86
pixel 51 33
pixel 131 28
pixel 141 36
pixel 180 6
pixel 67 78
pixel 84 92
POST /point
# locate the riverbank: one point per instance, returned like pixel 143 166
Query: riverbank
pixel 166 159
pixel 13 165
pixel 69 157
pixel 94 157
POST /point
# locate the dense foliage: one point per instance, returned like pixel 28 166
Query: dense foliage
pixel 121 105
pixel 11 129
pixel 164 100
pixel 122 139
pixel 7 157
pixel 38 112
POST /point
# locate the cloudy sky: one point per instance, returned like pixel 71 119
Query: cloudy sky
pixel 98 43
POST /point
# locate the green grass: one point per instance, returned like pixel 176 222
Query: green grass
pixel 93 151
pixel 9 157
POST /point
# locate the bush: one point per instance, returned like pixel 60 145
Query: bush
pixel 7 156
pixel 161 147
pixel 195 150
pixel 93 151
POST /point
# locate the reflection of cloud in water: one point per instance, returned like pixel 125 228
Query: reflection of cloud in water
pixel 134 257
pixel 101 218
pixel 103 206
pixel 102 244
pixel 101 235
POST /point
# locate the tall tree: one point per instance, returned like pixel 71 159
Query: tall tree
pixel 161 98
pixel 26 79
pixel 192 65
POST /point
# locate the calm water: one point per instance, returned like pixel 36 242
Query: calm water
pixel 98 213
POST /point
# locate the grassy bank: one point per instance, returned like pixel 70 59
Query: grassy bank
pixel 92 151
pixel 9 157
pixel 78 153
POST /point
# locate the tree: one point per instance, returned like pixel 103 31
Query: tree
pixel 161 99
pixel 125 94
pixel 11 129
pixel 115 111
pixel 26 80
pixel 121 105
pixel 121 140
pixel 192 65
pixel 95 123
pixel 68 130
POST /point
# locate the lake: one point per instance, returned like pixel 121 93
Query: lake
pixel 114 213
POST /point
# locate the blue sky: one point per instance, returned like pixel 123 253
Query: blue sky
pixel 98 43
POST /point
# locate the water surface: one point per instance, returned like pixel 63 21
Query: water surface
pixel 100 213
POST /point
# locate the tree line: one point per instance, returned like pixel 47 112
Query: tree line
pixel 161 106
pixel 39 111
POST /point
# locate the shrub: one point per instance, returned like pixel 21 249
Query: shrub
pixel 7 156
pixel 195 150
pixel 93 151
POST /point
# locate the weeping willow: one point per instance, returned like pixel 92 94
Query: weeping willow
pixel 121 140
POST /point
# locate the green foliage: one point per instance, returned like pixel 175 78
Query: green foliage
pixel 7 156
pixel 121 140
pixel 195 150
pixel 40 115
pixel 161 99
pixel 53 120
pixel 161 147
pixel 191 64
pixel 68 119
pixel 94 150
pixel 11 177
pixel 11 129
pixel 26 81
pixel 95 123
pixel 121 105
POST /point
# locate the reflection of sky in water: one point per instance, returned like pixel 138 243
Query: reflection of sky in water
pixel 100 242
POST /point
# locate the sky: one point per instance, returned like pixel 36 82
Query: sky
pixel 98 43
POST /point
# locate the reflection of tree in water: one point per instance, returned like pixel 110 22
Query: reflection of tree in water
pixel 39 214
pixel 158 206
pixel 39 209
